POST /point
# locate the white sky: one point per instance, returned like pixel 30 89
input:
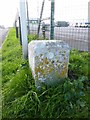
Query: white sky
pixel 69 10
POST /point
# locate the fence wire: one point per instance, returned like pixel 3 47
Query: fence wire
pixel 76 37
pixel 75 34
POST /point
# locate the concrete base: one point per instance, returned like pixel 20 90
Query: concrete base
pixel 48 60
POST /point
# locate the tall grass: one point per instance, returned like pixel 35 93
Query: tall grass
pixel 22 100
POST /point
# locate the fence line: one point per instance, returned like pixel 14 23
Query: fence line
pixel 76 37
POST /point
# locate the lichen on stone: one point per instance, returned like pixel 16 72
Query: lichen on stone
pixel 50 60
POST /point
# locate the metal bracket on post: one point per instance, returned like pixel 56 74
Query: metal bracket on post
pixel 52 20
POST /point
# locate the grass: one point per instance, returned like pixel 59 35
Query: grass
pixel 0 85
pixel 21 99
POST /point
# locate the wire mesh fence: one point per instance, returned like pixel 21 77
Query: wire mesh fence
pixel 76 37
pixel 75 33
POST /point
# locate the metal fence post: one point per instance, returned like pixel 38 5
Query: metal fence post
pixel 28 18
pixel 20 31
pixel 52 20
pixel 17 32
pixel 23 21
pixel 40 17
pixel 89 26
pixel 16 29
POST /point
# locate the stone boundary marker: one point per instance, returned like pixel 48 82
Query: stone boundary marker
pixel 48 60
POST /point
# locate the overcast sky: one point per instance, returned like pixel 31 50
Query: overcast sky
pixel 69 10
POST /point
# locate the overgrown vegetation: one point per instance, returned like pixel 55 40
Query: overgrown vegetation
pixel 21 99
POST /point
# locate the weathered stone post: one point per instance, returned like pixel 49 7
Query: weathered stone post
pixel 48 60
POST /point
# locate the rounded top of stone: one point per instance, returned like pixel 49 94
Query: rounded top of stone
pixel 34 41
pixel 43 43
